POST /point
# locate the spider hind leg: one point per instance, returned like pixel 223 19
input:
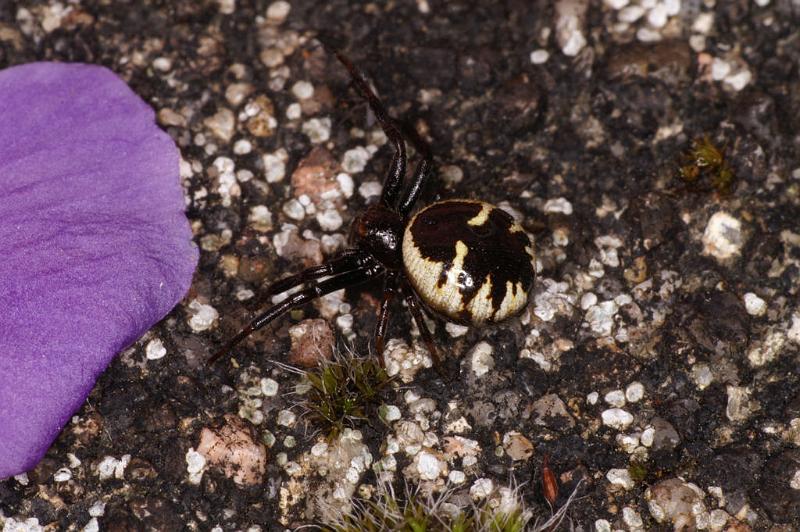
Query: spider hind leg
pixel 343 278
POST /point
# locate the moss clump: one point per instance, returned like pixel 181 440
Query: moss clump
pixel 705 163
pixel 426 514
pixel 344 390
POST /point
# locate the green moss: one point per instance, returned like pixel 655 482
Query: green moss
pixel 705 164
pixel 638 472
pixel 344 390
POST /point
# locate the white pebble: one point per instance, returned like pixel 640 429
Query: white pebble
pixel 278 11
pixel 62 475
pixel 294 209
pixel 616 4
pixel 602 525
pixel 355 160
pixel 634 392
pixel 155 350
pixel 558 205
pixel 592 398
pixel 303 90
pixel 202 316
pixel 703 23
pixel 195 464
pixel 723 237
pixel 113 467
pixel 294 111
pixel 242 147
pixel 370 189
pixel 269 388
pixel 319 449
pixel 588 300
pixel 648 436
pixel 673 7
pixel 274 166
pixel 329 220
pixel 428 466
pixel 482 487
pixel 657 17
pixel 286 418
pixel 755 305
pixel 162 64
pixel 795 482
pixel 346 184
pixel 455 330
pixel 481 360
pixel 317 129
pixel 621 478
pixel 739 80
pixel 617 418
pixel 615 398
pixel 632 518
pixel 456 477
pixel 719 69
pixel 631 14
pixel 390 413
pixel 539 56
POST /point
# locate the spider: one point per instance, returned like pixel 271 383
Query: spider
pixel 463 260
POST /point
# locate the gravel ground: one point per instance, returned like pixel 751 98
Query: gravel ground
pixel 658 363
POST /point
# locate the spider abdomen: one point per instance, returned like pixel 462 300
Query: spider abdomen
pixel 468 261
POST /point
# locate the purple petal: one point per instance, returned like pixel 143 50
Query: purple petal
pixel 95 245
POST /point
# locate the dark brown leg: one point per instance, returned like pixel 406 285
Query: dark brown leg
pixel 413 306
pixel 349 260
pixel 420 173
pixel 389 291
pixel 299 299
pixel 397 169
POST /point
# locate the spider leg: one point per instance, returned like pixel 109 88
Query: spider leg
pixel 397 168
pixel 321 288
pixel 427 337
pixel 421 172
pixel 389 291
pixel 348 260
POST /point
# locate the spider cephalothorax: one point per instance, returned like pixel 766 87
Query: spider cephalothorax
pixel 463 260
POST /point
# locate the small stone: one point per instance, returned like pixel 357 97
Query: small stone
pixel 676 502
pixel 617 418
pixel 631 14
pixel 739 405
pixel 632 518
pixel 570 18
pixel 155 350
pixel 294 210
pixel 242 147
pixel 723 237
pixel 275 166
pixel 260 218
pixel 237 93
pixel 602 525
pixel 269 387
pixel 312 342
pixel 702 376
pixel 657 17
pixel 592 398
pixel 455 330
pixel 233 449
pixel 665 437
pixel 550 411
pixel 195 466
pixel 370 189
pixel 456 477
pixel 481 488
pixel 303 90
pixel 318 130
pixel 517 446
pixel 429 467
pixel 754 305
pixel 615 398
pixel 113 467
pixel 634 392
pixel 621 478
pixel 62 475
pixel 558 205
pixel 389 413
pixel 202 316
pixel 481 361
pixel 329 220
pixel 600 318
pixel 278 11
pixel 616 4
pixel 355 160
pixel 286 418
pixel 647 437
pixel 222 124
pixel 539 56
pixel 400 359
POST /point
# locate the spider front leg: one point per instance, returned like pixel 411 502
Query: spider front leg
pixel 389 291
pixel 397 168
pixel 344 279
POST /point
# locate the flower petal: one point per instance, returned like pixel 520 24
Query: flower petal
pixel 95 245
